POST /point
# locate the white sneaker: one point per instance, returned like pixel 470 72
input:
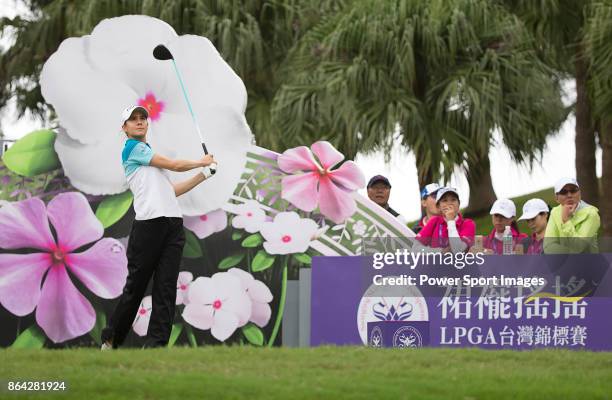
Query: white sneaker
pixel 106 346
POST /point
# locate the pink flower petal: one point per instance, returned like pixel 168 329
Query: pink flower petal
pixel 245 277
pixel 202 291
pixel 74 222
pixel 327 154
pixel 20 278
pixel 335 203
pixel 141 324
pixel 259 292
pixel 239 305
pixel 198 316
pixel 182 287
pixel 102 268
pixel 224 325
pixel 63 312
pixel 301 190
pixel 260 314
pixel 25 224
pixel 348 176
pixel 206 225
pixel 297 159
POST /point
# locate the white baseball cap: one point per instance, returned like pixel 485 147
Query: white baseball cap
pixel 127 113
pixel 443 190
pixel 504 207
pixel 565 181
pixel 430 189
pixel 533 207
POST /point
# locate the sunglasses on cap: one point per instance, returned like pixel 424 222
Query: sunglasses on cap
pixel 566 191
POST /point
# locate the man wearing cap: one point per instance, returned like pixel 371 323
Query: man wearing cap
pixel 503 214
pixel 449 230
pixel 156 240
pixel 535 212
pixel 379 190
pixel 573 224
pixel 428 204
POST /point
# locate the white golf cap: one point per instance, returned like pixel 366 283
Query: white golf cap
pixel 443 190
pixel 127 113
pixel 565 181
pixel 429 190
pixel 504 207
pixel 533 207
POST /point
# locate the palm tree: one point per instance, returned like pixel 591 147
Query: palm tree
pixel 254 36
pixel 598 31
pixel 559 28
pixel 437 76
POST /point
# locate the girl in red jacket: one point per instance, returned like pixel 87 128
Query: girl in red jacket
pixel 503 214
pixel 449 230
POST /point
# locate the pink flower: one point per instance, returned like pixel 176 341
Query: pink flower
pixel 207 224
pixel 260 296
pixel 315 183
pixel 154 107
pixel 249 216
pixel 218 303
pixel 61 310
pixel 182 287
pixel 143 316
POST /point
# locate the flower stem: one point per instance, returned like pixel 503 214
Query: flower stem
pixel 190 336
pixel 281 304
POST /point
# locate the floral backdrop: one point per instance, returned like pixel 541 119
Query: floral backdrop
pixel 65 213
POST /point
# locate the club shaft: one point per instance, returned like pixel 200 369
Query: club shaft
pixel 193 117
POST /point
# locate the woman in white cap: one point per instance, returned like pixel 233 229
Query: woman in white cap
pixel 573 224
pixel 157 238
pixel 428 204
pixel 535 212
pixel 449 230
pixel 503 215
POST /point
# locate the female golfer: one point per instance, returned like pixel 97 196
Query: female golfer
pixel 156 241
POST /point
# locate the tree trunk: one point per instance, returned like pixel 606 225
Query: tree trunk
pixel 425 175
pixel 585 134
pixel 606 178
pixel 482 194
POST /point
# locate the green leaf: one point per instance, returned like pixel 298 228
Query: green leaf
pixel 31 338
pixel 253 334
pixel 33 154
pixel 303 258
pixel 231 261
pixel 262 261
pixel 236 235
pixel 112 208
pixel 96 332
pixel 176 331
pixel 253 240
pixel 192 247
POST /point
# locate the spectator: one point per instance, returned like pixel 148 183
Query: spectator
pixel 379 190
pixel 428 204
pixel 503 214
pixel 573 224
pixel 449 230
pixel 535 212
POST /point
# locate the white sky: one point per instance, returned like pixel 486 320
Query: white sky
pixel 509 179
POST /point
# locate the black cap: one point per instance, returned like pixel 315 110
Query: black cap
pixel 378 178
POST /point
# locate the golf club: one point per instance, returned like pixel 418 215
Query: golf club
pixel 161 52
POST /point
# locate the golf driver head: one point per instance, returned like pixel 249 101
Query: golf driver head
pixel 161 52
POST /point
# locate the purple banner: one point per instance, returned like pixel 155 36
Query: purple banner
pixel 347 308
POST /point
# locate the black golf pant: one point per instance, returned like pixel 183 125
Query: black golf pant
pixel 155 249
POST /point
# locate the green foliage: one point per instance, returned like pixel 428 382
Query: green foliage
pixel 253 240
pixel 33 154
pixel 96 332
pixel 262 261
pixel 253 334
pixel 192 247
pixel 175 333
pixel 231 261
pixel 112 208
pixel 31 338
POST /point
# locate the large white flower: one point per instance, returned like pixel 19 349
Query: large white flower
pixel 288 233
pixel 218 303
pixel 91 79
pixel 205 225
pixel 260 296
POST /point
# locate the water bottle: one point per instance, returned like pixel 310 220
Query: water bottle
pixel 507 241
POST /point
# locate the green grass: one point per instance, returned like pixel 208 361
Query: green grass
pixel 323 372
